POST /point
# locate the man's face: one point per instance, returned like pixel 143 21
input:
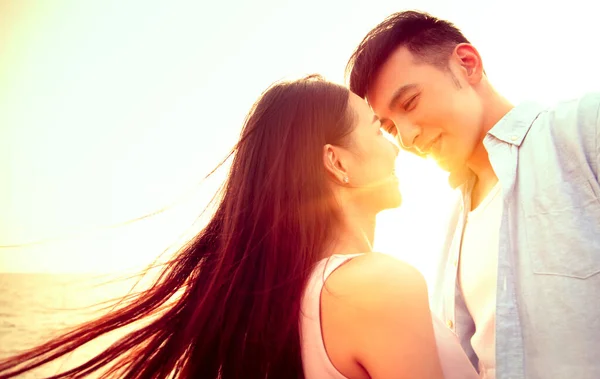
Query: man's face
pixel 433 110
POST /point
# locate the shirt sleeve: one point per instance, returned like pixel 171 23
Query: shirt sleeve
pixel 587 130
pixel 598 142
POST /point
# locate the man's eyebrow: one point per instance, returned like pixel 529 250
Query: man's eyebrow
pixel 399 93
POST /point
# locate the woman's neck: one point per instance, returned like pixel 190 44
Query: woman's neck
pixel 356 233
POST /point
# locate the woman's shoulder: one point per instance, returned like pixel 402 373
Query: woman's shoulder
pixel 375 316
pixel 376 273
pixel 374 284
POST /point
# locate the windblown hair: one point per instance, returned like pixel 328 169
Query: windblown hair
pixel 228 305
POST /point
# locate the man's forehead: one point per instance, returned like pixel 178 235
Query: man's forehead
pixel 373 102
pixel 375 95
pixel 400 66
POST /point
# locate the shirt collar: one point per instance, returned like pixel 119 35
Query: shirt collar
pixel 510 129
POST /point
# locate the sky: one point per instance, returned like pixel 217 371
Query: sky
pixel 112 110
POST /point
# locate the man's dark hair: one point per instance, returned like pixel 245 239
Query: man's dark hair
pixel 428 38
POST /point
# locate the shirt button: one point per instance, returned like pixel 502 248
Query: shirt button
pixel 450 324
pixel 455 262
pixel 514 138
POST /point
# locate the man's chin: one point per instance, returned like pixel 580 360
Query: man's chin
pixel 444 164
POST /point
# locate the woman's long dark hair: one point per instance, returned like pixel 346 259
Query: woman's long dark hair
pixel 228 304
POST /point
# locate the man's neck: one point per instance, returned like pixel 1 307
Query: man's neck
pixel 482 187
pixel 496 107
pixel 485 175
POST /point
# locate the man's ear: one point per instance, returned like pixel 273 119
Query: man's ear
pixel 470 62
pixel 334 164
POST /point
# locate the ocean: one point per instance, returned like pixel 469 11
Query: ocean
pixel 35 307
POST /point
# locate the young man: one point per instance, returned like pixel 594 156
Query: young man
pixel 519 281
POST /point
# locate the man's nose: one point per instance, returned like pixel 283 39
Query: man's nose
pixel 407 134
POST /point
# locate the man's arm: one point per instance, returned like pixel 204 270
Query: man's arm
pixel 598 143
pixel 575 127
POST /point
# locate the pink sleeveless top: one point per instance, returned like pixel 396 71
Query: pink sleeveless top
pixel 315 361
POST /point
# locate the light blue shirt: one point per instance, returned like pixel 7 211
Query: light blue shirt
pixel 548 291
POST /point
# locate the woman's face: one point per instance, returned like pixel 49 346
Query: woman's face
pixel 370 158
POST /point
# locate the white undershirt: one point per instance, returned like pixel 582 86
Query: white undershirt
pixel 477 276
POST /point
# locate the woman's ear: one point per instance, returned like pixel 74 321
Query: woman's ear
pixel 334 164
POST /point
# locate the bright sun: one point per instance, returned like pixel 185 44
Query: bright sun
pixel 414 231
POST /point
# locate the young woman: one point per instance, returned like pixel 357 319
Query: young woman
pixel 282 282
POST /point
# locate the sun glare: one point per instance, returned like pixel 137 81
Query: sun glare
pixel 414 231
